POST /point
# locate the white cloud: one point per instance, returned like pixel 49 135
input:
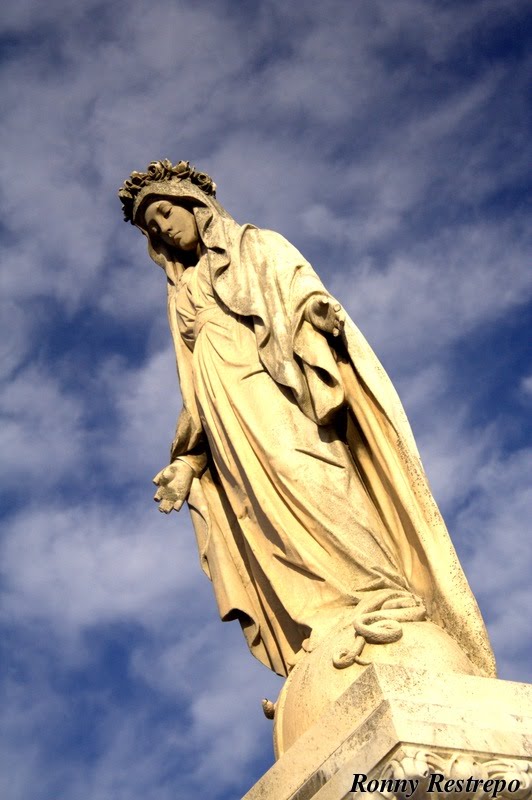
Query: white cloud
pixel 211 668
pixel 493 527
pixel 147 403
pixel 17 336
pixel 526 386
pixel 41 436
pixel 466 276
pixel 86 565
pixel 27 708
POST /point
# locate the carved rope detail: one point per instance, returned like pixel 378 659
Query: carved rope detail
pixel 513 776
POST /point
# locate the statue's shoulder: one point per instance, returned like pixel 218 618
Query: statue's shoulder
pixel 271 243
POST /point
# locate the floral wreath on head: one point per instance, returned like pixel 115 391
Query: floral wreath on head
pixel 158 171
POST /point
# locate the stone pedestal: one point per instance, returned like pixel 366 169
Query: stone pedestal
pixel 402 724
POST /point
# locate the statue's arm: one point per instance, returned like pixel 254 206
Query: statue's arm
pixel 305 298
pixel 188 460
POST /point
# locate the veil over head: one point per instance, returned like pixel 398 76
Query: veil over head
pixel 216 227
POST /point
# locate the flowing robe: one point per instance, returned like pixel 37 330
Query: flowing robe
pixel 313 496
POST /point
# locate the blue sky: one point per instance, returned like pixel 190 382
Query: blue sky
pixel 390 142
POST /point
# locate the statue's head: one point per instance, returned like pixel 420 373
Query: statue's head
pixel 175 206
pixel 171 223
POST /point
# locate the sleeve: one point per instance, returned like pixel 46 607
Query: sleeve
pixel 189 441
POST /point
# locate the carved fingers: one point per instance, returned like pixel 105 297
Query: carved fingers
pixel 327 315
pixel 174 484
pixel 338 319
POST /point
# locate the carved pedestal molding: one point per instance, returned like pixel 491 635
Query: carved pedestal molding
pixel 445 775
pixel 395 723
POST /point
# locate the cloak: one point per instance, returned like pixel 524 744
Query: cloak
pixel 260 277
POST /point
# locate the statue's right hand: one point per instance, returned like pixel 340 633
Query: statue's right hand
pixel 174 484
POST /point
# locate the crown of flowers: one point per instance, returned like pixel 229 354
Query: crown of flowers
pixel 161 171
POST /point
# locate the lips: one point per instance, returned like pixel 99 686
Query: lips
pixel 173 237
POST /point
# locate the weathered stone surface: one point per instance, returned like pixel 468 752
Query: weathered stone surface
pixel 311 507
pixel 419 719
pixel 314 518
pixel 315 683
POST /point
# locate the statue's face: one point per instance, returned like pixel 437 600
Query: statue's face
pixel 173 224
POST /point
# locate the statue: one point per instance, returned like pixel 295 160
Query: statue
pixel 309 501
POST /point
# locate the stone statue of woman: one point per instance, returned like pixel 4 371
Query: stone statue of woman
pixel 310 504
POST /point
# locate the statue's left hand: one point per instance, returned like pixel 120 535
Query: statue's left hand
pixel 326 314
pixel 174 484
